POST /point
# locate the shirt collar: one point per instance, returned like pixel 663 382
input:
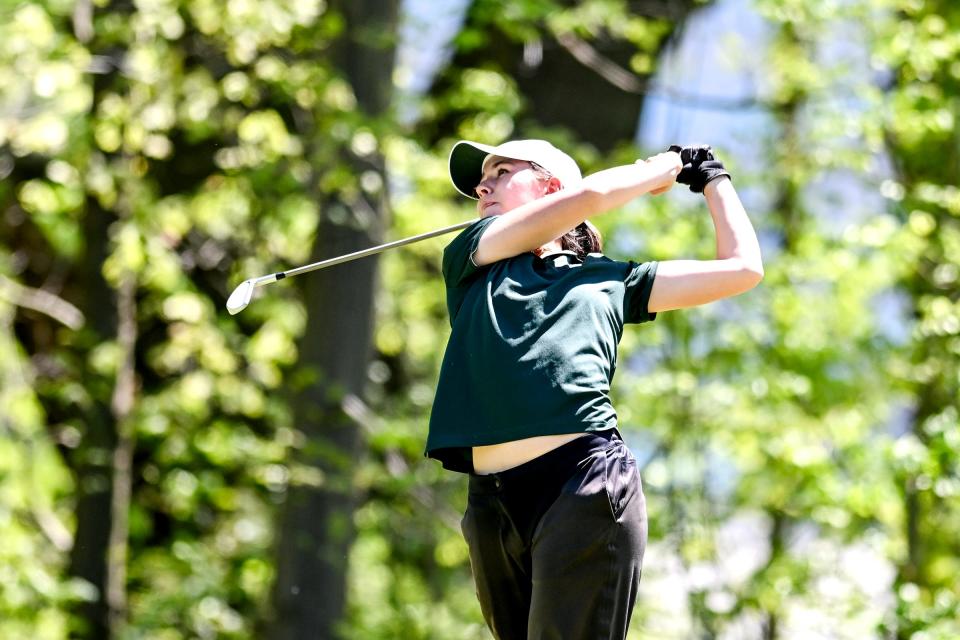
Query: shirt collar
pixel 562 258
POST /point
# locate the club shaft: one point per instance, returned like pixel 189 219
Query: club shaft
pixel 372 250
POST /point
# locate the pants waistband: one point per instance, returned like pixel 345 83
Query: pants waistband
pixel 563 459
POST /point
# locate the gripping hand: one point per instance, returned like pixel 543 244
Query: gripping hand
pixel 699 166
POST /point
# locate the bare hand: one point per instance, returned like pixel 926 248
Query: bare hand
pixel 668 166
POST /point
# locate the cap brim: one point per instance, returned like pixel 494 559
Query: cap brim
pixel 466 166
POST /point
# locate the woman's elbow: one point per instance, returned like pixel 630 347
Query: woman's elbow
pixel 745 274
pixel 752 274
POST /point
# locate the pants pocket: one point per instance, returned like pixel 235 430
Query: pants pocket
pixel 590 485
pixel 609 478
pixel 622 479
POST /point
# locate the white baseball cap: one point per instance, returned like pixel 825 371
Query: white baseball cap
pixel 468 158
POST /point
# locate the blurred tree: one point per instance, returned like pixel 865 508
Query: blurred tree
pixel 46 251
pixel 581 67
pixel 821 399
pixel 316 529
pixel 919 45
pixel 150 147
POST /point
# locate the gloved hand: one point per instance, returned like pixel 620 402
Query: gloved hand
pixel 699 166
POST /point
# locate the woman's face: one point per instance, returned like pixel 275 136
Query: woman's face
pixel 507 184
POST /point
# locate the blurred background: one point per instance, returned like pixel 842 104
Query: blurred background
pixel 170 471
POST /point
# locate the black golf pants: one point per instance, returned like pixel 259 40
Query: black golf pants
pixel 556 544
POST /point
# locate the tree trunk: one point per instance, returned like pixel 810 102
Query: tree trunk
pixel 585 86
pixel 121 404
pixel 92 460
pixel 316 525
pixel 95 461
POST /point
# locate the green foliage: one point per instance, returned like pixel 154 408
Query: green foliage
pixel 921 51
pixel 792 440
pixel 33 519
pixel 181 126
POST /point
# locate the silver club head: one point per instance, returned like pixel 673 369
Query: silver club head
pixel 240 297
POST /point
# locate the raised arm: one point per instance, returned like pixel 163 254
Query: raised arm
pixel 539 221
pixel 737 268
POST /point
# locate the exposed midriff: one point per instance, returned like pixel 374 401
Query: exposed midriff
pixel 495 458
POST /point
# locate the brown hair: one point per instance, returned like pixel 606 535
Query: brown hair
pixel 583 239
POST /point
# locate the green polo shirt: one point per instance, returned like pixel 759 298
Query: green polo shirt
pixel 533 345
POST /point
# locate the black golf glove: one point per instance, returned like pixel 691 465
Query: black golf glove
pixel 699 166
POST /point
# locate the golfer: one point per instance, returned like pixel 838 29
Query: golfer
pixel 556 518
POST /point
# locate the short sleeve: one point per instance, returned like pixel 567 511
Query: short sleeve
pixel 458 265
pixel 638 285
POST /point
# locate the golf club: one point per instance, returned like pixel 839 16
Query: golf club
pixel 241 296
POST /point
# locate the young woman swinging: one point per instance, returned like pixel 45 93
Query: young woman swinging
pixel 556 520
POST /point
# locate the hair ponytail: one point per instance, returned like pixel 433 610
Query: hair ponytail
pixel 584 239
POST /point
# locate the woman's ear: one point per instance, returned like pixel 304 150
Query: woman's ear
pixel 553 185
